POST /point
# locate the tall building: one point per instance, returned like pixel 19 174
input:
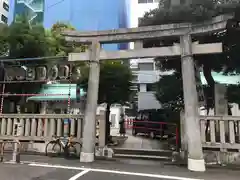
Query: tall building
pixel 145 70
pixel 89 15
pixel 4 10
pixel 32 9
pixel 83 15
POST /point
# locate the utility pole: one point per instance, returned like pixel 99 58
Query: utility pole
pixel 192 127
pixel 89 130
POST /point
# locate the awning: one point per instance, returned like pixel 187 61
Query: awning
pixel 57 92
pixel 222 79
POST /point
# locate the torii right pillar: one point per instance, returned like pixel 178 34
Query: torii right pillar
pixel 175 2
pixel 179 2
pixel 192 126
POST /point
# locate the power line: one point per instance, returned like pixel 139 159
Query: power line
pixel 49 7
pixel 33 81
pixel 8 94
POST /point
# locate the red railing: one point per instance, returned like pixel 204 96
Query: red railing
pixel 159 128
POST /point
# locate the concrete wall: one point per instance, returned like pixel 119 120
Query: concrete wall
pixel 147 100
pixel 148 76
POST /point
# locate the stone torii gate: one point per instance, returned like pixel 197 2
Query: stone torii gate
pixel 186 49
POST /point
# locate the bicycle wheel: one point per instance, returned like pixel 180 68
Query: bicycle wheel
pixel 53 148
pixel 74 148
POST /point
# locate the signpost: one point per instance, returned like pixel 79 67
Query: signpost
pixel 18 128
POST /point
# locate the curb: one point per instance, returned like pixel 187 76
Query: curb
pixel 28 153
pixel 154 158
pixel 227 167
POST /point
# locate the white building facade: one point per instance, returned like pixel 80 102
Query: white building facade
pixel 145 70
pixel 4 11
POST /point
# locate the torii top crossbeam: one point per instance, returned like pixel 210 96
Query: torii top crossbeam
pixel 148 32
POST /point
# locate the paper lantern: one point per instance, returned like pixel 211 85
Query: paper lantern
pixel 41 73
pixel 76 73
pixel 30 74
pixel 63 72
pixel 10 74
pixel 53 73
pixel 20 73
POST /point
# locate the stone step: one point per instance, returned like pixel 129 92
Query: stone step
pixel 143 152
pixel 143 157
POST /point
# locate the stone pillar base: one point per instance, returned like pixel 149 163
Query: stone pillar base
pixel 184 156
pixel 196 165
pixel 86 157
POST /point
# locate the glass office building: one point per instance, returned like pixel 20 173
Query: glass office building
pixel 83 15
pixel 89 15
pixel 32 9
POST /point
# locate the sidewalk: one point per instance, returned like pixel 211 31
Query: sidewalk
pixel 133 166
pixel 142 142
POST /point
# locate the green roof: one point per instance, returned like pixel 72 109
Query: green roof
pixel 222 79
pixel 56 90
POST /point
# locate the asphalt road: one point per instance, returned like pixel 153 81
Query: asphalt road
pixel 49 172
pixel 45 168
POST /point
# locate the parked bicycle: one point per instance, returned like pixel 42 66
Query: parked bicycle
pixel 60 145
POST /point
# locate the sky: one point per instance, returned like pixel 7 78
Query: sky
pixel 83 15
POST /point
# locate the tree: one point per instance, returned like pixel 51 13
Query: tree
pixel 115 82
pixel 57 43
pixel 20 40
pixel 114 85
pixel 4 46
pixel 26 41
pixel 198 11
pixel 169 92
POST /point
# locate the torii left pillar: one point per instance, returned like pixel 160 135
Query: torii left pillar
pixel 195 153
pixel 89 130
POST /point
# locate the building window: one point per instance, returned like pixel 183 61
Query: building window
pixel 150 87
pixel 5 6
pixel 142 88
pixel 4 19
pixel 145 66
pixel 147 1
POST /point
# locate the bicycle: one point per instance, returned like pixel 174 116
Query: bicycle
pixel 65 145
